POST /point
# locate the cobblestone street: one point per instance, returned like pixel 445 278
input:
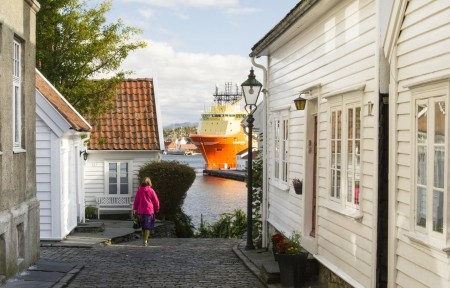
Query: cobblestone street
pixel 166 262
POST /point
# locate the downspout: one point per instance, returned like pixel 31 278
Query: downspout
pixel 265 203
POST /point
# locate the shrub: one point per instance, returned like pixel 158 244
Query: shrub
pixel 257 181
pixel 229 225
pixel 89 212
pixel 171 181
pixel 183 224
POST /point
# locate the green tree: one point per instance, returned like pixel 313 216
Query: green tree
pixel 74 45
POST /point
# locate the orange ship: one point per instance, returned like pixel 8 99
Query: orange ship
pixel 220 135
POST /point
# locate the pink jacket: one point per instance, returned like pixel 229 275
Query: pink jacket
pixel 146 201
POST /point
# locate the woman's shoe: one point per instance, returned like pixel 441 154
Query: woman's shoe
pixel 145 243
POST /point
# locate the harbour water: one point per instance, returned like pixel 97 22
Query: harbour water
pixel 210 196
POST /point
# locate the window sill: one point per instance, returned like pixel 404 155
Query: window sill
pixel 352 213
pixel 282 186
pixel 18 150
pixel 423 241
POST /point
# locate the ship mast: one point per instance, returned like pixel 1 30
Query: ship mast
pixel 228 96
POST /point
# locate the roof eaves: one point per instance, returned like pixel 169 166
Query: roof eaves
pixel 296 13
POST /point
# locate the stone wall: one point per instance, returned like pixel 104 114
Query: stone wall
pixel 19 207
pixel 330 279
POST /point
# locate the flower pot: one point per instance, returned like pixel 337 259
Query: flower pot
pixel 293 269
pixel 298 190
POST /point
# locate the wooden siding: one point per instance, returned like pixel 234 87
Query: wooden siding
pixel 422 52
pixel 44 177
pixel 338 51
pixel 95 174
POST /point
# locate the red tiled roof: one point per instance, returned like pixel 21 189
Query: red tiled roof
pixel 133 124
pixel 52 95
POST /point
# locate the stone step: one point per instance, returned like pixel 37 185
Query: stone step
pixel 90 227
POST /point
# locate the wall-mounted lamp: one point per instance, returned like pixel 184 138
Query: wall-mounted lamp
pixel 85 154
pixel 300 102
pixel 370 108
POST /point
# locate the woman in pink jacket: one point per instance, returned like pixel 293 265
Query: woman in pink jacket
pixel 146 203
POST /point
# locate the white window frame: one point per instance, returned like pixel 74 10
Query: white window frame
pixel 430 99
pixel 130 177
pixel 339 199
pixel 17 96
pixel 280 162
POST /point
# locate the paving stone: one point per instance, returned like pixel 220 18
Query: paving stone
pixel 166 262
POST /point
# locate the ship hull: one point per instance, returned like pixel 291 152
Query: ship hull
pixel 219 151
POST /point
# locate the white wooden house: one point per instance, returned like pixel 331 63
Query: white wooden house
pixel 121 142
pixel 331 52
pixel 61 133
pixel 418 49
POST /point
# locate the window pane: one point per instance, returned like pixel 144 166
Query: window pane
pixel 112 188
pixel 338 154
pixel 123 178
pixel 422 121
pixel 439 158
pixel 438 211
pixel 356 199
pixel 358 123
pixel 112 178
pixel 421 207
pixel 350 123
pixel 439 122
pixel 422 165
pixel 339 124
pixel 17 116
pixel 338 184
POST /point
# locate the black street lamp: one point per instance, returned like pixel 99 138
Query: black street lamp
pixel 251 89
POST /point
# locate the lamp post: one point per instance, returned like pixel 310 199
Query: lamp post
pixel 251 89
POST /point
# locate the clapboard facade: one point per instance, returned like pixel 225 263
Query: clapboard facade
pixel 61 136
pixel 417 48
pixel 330 52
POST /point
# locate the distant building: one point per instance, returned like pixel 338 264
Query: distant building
pixel 19 207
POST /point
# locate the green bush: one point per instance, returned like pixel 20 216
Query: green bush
pixel 229 225
pixel 171 180
pixel 89 212
pixel 257 183
pixel 183 224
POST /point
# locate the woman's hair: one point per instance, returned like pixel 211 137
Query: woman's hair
pixel 146 181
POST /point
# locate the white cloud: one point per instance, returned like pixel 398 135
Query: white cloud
pixel 185 81
pixel 147 13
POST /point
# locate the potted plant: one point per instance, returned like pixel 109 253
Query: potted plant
pixel 276 238
pixel 298 186
pixel 295 268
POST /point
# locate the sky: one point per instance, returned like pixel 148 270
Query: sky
pixel 194 45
